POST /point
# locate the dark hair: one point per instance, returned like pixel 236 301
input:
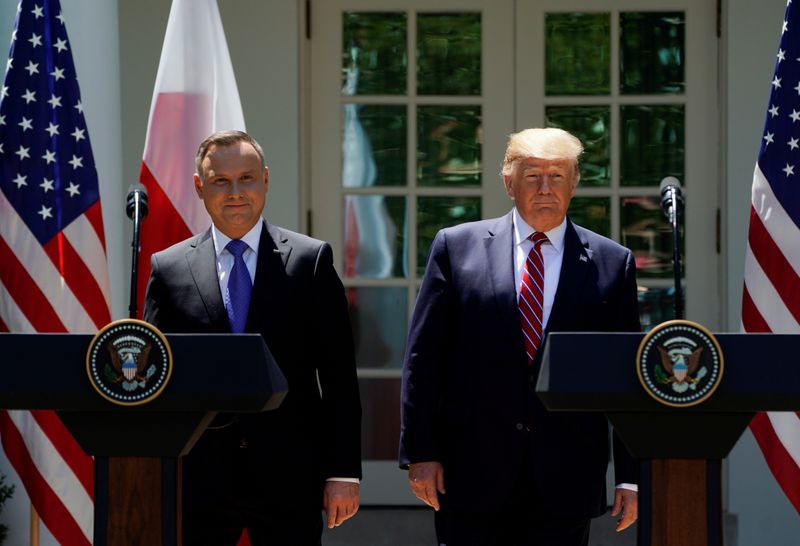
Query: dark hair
pixel 225 138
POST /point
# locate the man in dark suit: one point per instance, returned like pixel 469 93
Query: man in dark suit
pixel 480 447
pixel 271 472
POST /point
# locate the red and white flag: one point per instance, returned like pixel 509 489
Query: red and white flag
pixel 53 269
pixel 771 299
pixel 195 94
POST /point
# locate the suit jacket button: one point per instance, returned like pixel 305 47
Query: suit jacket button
pixel 520 426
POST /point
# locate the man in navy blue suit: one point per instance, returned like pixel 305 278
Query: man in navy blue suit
pixel 480 447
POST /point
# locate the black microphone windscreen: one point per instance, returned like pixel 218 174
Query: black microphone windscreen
pixel 139 191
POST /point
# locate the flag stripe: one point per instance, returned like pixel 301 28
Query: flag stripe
pixel 778 270
pixel 768 301
pixel 783 423
pixel 780 462
pixel 81 464
pixel 92 251
pixel 49 506
pixel 34 305
pixel 752 319
pixel 79 279
pixel 94 215
pixel 11 315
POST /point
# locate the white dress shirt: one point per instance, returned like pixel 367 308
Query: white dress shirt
pixel 553 257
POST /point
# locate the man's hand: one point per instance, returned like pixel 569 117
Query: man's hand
pixel 425 480
pixel 626 502
pixel 340 501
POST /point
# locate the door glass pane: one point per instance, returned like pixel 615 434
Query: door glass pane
pixel 375 234
pixel 435 213
pixel 652 142
pixel 449 54
pixel 373 145
pixel 656 305
pixel 380 425
pixel 647 233
pixel 577 53
pixel 378 316
pixel 449 145
pixel 592 213
pixel 591 124
pixel 374 57
pixel 651 52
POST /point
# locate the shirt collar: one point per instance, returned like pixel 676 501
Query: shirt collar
pixel 522 231
pixel 252 238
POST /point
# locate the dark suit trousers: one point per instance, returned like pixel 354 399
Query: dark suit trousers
pixel 519 522
pixel 220 499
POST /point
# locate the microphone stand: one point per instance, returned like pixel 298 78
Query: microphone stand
pixel 676 254
pixel 137 210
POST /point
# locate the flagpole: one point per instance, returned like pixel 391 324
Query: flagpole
pixel 34 527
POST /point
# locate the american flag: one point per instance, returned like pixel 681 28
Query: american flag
pixel 771 299
pixel 53 269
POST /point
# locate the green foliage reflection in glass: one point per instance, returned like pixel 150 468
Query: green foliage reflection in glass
pixel 374 50
pixel 374 145
pixel 592 213
pixel 652 139
pixel 591 124
pixel 577 53
pixel 646 232
pixel 449 145
pixel 435 213
pixel 449 54
pixel 652 52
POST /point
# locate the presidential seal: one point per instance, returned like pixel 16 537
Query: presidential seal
pixel 129 362
pixel 679 363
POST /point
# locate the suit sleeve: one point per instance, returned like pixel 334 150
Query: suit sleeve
pixel 337 372
pixel 425 360
pixel 154 299
pixel 626 468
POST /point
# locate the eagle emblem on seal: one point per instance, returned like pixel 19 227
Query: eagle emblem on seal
pixel 680 367
pixel 129 362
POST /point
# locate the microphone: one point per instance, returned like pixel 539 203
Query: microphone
pixel 137 195
pixel 671 196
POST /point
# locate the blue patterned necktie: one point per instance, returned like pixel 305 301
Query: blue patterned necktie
pixel 239 287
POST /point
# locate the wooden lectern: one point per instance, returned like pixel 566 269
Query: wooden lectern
pixel 680 505
pixel 136 449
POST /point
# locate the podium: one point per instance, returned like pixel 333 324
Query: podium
pixel 680 505
pixel 136 449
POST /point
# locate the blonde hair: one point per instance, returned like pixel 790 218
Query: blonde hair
pixel 549 143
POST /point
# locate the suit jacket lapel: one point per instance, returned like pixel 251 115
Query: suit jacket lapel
pixel 202 261
pixel 499 244
pixel 270 280
pixel 574 266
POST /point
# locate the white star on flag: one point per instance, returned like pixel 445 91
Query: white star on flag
pixel 32 68
pixel 793 143
pixel 54 101
pixel 49 157
pixel 58 74
pixel 45 212
pixel 35 40
pixel 29 96
pixel 773 111
pixel 76 161
pixel 60 45
pixel 72 189
pixel 46 185
pixel 52 129
pixel 25 124
pixel 37 11
pixel 20 181
pixel 22 152
pixel 788 169
pixel 77 134
pixel 769 137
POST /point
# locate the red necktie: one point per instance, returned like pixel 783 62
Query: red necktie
pixel 531 297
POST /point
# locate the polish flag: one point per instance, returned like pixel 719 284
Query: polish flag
pixel 195 94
